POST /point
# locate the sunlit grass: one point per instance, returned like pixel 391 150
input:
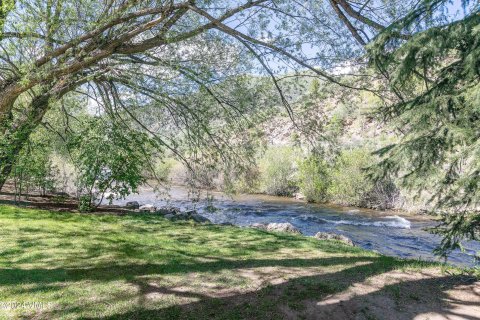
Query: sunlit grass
pixel 143 266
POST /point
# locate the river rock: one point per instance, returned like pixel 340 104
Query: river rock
pixel 147 208
pixel 276 227
pixel 200 219
pixel 191 212
pixel 312 218
pixel 259 226
pixel 167 211
pixel 334 236
pixel 132 205
pixel 181 216
pixel 283 227
pixel 423 212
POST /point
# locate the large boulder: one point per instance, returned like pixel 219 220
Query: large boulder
pixel 132 205
pixel 174 214
pixel 334 236
pixel 283 227
pixel 147 208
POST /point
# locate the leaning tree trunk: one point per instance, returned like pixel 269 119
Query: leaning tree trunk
pixel 17 134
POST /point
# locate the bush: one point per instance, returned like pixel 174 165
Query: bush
pixel 384 195
pixel 278 172
pixel 34 170
pixel 108 158
pixel 349 181
pixel 351 185
pixel 163 169
pixel 314 179
pixel 85 204
pixel 245 180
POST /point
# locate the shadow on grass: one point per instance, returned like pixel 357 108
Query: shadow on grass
pixel 111 271
pixel 81 240
pixel 47 254
pixel 40 204
pixel 300 298
pixel 297 298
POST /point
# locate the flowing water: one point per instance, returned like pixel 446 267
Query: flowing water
pixel 392 234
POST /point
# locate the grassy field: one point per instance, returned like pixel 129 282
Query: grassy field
pixel 73 266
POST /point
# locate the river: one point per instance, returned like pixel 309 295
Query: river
pixel 390 233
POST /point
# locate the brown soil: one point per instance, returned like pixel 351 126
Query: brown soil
pixel 402 295
pixel 302 293
pixel 51 202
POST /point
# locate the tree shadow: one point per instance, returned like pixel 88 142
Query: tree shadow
pixel 215 250
pixel 304 297
pixel 112 272
pixel 224 241
pixel 315 297
pixel 37 202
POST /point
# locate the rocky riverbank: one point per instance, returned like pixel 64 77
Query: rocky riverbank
pixel 176 214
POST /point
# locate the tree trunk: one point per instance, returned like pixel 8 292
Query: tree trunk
pixel 18 133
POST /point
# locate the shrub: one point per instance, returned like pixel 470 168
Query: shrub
pixel 34 170
pixel 384 195
pixel 349 181
pixel 245 180
pixel 278 172
pixel 85 204
pixel 314 179
pixel 351 185
pixel 163 169
pixel 108 158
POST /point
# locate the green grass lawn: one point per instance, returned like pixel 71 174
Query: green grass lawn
pixel 82 266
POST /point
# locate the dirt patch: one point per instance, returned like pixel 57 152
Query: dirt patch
pixel 401 295
pixel 326 293
pixel 51 202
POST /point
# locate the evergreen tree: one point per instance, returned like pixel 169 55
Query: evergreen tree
pixel 434 78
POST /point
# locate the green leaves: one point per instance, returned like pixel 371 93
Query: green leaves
pixel 5 7
pixel 314 179
pixel 109 158
pixel 435 76
pixel 34 169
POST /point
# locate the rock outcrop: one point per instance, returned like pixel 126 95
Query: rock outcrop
pixel 198 218
pixel 277 227
pixel 259 226
pixel 176 215
pixel 283 227
pixel 334 236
